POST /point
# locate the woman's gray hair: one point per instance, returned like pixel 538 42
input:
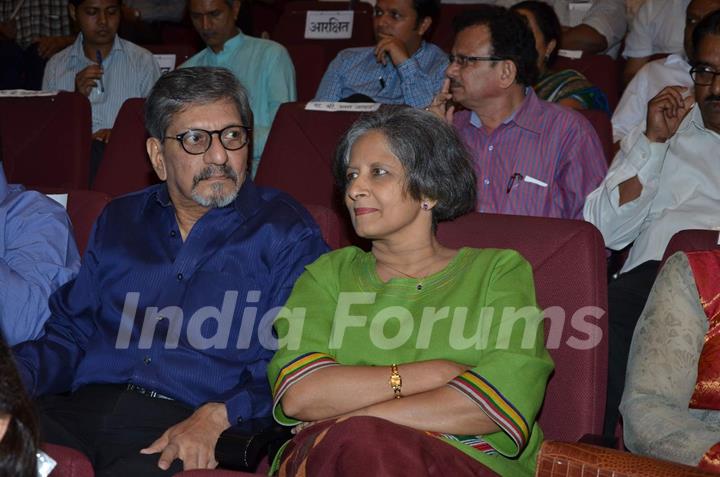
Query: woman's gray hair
pixel 176 90
pixel 437 164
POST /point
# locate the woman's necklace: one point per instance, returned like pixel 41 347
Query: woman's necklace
pixel 418 285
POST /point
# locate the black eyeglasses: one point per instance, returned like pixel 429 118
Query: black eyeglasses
pixel 703 75
pixel 463 60
pixel 198 141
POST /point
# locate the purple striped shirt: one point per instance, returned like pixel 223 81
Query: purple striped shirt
pixel 548 156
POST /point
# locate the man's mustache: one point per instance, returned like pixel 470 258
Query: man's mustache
pixel 711 98
pixel 215 171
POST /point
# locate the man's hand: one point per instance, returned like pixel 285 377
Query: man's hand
pixel 441 104
pixel 102 135
pixel 665 112
pixel 193 440
pixel 393 47
pixel 49 45
pixel 86 79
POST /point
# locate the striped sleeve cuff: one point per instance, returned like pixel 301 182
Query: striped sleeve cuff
pixel 296 370
pixel 496 406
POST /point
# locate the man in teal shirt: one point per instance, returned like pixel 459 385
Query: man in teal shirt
pixel 262 66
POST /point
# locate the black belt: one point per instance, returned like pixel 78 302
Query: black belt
pixel 147 392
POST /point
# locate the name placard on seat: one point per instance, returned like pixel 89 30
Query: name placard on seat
pixel 333 106
pixel 329 24
pixel 166 61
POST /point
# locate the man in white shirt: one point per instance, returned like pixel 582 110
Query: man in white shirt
pixel 665 179
pixel 656 28
pixel 658 74
pixel 597 26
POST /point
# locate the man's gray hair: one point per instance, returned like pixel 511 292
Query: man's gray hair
pixel 177 90
pixel 437 164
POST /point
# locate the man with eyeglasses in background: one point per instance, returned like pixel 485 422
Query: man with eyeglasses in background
pixel 162 341
pixel 401 68
pixel 531 157
pixel 664 179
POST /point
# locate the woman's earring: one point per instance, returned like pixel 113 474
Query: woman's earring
pixel 425 206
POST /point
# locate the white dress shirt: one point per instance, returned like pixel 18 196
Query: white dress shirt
pixel 681 190
pixel 658 27
pixel 673 70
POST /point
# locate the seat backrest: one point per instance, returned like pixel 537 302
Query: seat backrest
pixel 298 157
pixel 602 70
pixel 568 261
pixel 46 139
pixel 600 121
pixel 441 32
pixel 690 241
pixel 125 166
pixel 310 61
pixel 290 28
pixel 329 223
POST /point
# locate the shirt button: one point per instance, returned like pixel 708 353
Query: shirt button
pixel 179 277
pixel 173 233
pixel 490 148
pixel 147 360
pixel 486 182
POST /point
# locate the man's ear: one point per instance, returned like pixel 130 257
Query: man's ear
pixel 424 25
pixel 236 9
pixel 508 74
pixel 72 12
pixel 550 48
pixel 154 150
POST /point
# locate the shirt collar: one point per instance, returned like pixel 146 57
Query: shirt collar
pixel 77 47
pixel 677 59
pixel 4 188
pixel 245 204
pixel 525 116
pixel 232 44
pixel 695 119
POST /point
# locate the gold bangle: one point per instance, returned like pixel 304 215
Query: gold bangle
pixel 395 381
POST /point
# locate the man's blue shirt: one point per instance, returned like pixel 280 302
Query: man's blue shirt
pixel 413 82
pixel 37 255
pixel 204 298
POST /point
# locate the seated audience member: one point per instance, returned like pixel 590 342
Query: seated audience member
pixel 664 179
pixel 154 347
pixel 262 66
pixel 37 255
pixel 671 402
pixel 19 439
pixel 39 29
pixel 531 157
pixel 601 29
pixel 656 75
pixel 401 68
pixel 656 28
pixel 567 87
pixel 375 374
pixel 102 66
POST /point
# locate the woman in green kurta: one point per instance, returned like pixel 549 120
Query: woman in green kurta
pixel 448 343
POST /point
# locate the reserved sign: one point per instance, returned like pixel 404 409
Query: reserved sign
pixel 329 24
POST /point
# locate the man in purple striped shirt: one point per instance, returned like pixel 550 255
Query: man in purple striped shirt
pixel 531 157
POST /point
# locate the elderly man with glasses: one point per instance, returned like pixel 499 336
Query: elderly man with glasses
pixel 665 179
pixel 531 157
pixel 162 341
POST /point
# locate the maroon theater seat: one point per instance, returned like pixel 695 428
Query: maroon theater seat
pixel 298 157
pixel 310 61
pixel 46 140
pixel 290 28
pixel 568 263
pixel 690 241
pixel 125 166
pixel 603 127
pixel 442 32
pixel 70 463
pixel 83 208
pixel 602 70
